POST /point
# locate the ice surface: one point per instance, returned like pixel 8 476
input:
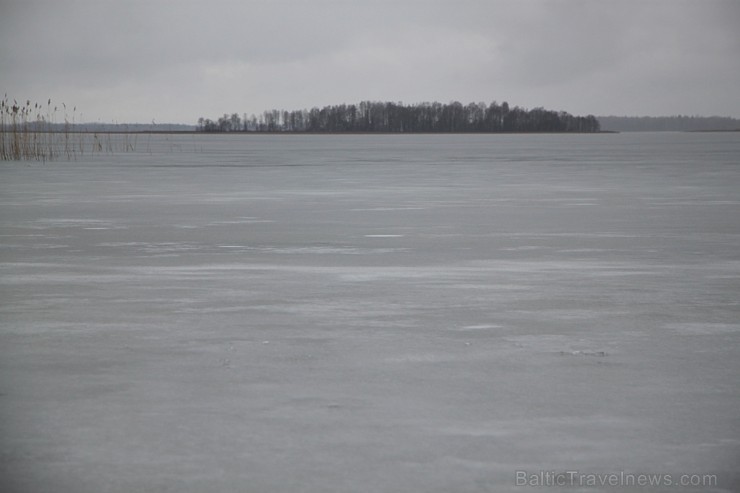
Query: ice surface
pixel 370 313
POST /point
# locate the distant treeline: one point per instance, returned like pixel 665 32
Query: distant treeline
pixel 399 118
pixel 667 123
pixel 42 126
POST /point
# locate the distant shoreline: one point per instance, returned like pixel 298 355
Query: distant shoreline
pixel 200 132
pixel 713 131
pixel 253 133
pixel 677 123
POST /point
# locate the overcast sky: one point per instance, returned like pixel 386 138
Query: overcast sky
pixel 176 60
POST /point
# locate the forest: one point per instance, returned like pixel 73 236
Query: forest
pixel 386 117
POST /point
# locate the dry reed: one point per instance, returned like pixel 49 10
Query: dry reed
pixel 31 133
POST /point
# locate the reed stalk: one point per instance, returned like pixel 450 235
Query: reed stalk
pixel 31 132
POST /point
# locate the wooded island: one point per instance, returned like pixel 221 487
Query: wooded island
pixel 385 117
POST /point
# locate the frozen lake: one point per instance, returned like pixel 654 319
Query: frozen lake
pixel 371 313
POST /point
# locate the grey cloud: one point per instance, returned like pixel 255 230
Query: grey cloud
pixel 177 60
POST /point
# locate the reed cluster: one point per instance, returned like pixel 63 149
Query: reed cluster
pixel 32 132
pixel 25 131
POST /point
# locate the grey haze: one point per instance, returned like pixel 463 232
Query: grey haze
pixel 138 61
